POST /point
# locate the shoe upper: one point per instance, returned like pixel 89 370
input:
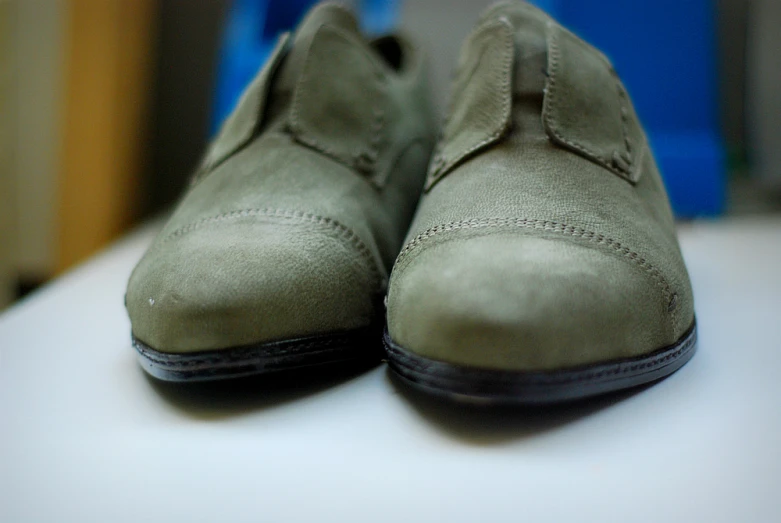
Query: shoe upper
pixel 302 200
pixel 544 239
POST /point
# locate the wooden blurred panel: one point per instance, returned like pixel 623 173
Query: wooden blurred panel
pixel 7 207
pixel 108 65
pixel 33 116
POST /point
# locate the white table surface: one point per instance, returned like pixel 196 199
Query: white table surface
pixel 86 436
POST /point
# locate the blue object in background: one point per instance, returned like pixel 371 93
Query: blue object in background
pixel 665 53
pixel 250 33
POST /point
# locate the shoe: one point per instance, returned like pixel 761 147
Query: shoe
pixel 278 255
pixel 542 264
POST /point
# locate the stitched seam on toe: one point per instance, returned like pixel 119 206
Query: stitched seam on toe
pixel 342 231
pixel 548 226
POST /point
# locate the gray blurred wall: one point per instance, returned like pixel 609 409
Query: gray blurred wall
pixel 441 26
pixel 763 88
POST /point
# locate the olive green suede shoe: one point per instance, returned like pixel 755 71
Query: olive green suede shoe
pixel 278 255
pixel 542 264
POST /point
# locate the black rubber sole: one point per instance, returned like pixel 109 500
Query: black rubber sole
pixel 355 346
pixel 494 386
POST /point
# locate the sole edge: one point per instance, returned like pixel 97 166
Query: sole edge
pixel 262 358
pixel 476 385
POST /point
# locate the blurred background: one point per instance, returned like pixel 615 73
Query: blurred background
pixel 106 105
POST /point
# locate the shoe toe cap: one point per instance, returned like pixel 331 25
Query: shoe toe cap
pixel 233 284
pixel 517 302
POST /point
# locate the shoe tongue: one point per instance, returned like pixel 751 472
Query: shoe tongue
pixel 530 26
pixel 332 15
pixel 326 14
pixel 331 92
pixel 585 107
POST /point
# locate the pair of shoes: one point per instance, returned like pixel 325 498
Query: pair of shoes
pixel 525 250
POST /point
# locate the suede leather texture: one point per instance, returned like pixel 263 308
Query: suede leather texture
pixel 549 245
pixel 302 201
